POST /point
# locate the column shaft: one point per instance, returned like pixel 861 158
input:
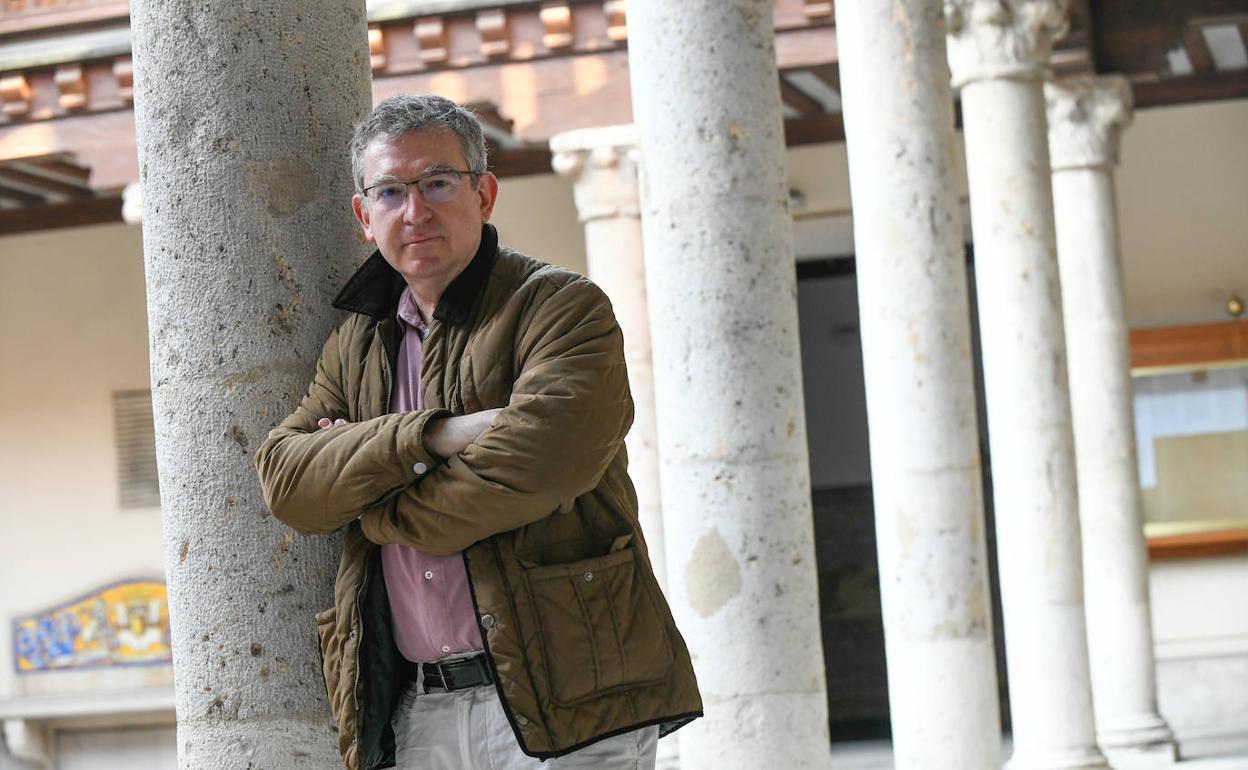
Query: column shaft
pixel 242 116
pixel 913 305
pixel 728 388
pixel 1085 118
pixel 998 52
pixel 603 165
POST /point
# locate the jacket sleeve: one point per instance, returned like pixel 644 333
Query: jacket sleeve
pixel 569 411
pixel 316 480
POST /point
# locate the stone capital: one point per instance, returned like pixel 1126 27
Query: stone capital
pixel 602 163
pixel 991 39
pixel 1086 118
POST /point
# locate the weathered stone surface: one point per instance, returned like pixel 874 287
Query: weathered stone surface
pixel 1029 423
pixel 721 286
pixel 243 114
pixel 915 322
pixel 1086 117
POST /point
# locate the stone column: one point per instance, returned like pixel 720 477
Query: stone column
pixel 602 163
pixel 243 114
pixel 1086 117
pixel 998 54
pixel 921 407
pixel 727 375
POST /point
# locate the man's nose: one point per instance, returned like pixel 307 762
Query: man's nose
pixel 415 209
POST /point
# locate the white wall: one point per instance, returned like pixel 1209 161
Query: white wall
pixel 149 748
pixel 1183 212
pixel 536 215
pixel 1200 626
pixel 74 329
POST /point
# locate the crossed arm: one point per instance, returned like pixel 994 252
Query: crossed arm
pixel 483 473
pixel 444 436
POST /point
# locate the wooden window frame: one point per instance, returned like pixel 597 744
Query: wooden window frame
pixel 1184 348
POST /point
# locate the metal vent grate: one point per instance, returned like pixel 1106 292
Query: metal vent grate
pixel 138 484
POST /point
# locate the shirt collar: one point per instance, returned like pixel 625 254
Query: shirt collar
pixel 409 313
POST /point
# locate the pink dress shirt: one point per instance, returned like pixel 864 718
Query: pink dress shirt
pixel 430 603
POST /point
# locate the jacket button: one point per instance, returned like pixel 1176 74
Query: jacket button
pixel 487 621
pixel 522 720
pixel 589 576
pixel 352 634
pixel 420 468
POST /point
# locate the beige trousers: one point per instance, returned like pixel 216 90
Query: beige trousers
pixel 467 730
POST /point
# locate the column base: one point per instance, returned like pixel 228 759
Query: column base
pixel 1077 759
pixel 1140 742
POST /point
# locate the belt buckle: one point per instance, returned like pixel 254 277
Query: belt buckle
pixel 446 672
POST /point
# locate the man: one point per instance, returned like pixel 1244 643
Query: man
pixel 495 605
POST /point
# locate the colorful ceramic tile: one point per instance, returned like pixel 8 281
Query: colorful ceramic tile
pixel 125 624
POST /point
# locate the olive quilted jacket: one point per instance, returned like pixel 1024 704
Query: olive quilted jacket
pixel 580 638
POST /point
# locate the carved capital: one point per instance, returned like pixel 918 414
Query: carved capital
pixel 132 204
pixel 603 166
pixel 990 39
pixel 1086 118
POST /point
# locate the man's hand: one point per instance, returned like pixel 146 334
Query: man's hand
pixel 444 436
pixel 451 435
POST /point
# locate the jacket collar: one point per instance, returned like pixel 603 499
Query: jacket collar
pixel 374 289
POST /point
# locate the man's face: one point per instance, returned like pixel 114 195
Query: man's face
pixel 427 243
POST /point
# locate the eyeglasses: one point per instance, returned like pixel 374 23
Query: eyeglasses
pixel 438 187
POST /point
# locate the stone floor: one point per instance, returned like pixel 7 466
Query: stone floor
pixel 878 755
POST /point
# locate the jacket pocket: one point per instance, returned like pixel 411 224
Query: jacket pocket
pixel 599 625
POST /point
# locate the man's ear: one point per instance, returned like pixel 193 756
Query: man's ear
pixel 360 207
pixel 487 193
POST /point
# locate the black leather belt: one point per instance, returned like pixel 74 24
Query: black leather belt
pixel 456 674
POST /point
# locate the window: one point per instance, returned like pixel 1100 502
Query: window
pixel 138 485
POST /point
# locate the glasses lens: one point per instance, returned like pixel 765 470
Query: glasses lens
pixel 388 195
pixel 439 188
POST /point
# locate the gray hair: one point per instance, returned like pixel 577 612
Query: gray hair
pixel 405 113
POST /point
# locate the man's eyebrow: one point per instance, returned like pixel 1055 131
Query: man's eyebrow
pixel 435 168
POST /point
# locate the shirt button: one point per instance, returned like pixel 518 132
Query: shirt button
pixel 420 468
pixel 487 621
pixel 522 720
pixel 429 575
pixel 445 648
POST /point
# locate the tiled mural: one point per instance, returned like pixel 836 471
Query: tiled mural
pixel 124 624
